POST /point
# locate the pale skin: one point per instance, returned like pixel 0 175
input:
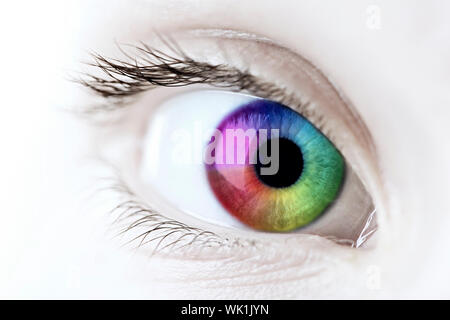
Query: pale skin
pixel 391 61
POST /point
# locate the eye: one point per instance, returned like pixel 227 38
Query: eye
pixel 300 157
pixel 309 188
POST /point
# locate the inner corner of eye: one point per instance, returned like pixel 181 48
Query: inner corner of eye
pixel 239 160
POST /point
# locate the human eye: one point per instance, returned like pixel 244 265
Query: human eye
pixel 186 186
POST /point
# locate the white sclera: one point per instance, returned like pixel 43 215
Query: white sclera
pixel 172 160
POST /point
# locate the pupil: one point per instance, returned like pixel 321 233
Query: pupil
pixel 290 165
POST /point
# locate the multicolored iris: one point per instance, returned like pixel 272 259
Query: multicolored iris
pixel 308 178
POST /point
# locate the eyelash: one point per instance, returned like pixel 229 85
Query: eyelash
pixel 168 234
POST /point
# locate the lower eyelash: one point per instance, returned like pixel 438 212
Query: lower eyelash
pixel 152 227
pixel 168 234
pixel 143 226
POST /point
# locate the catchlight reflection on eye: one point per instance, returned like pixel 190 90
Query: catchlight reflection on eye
pixel 279 182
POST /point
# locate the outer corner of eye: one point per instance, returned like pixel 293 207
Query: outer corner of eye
pixel 242 161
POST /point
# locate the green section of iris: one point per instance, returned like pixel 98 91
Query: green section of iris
pixel 318 186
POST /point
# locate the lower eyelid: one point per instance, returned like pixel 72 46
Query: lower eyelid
pixel 308 266
pixel 196 243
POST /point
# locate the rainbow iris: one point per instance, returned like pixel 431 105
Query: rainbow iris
pixel 308 179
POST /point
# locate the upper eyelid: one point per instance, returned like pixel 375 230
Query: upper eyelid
pixel 151 68
pixel 265 89
pixel 127 78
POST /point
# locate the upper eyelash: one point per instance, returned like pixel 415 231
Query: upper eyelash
pixel 157 69
pixel 151 68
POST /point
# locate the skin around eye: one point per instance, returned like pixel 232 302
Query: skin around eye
pixel 308 173
pixel 389 58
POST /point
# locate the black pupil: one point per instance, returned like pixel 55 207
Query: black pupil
pixel 290 165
